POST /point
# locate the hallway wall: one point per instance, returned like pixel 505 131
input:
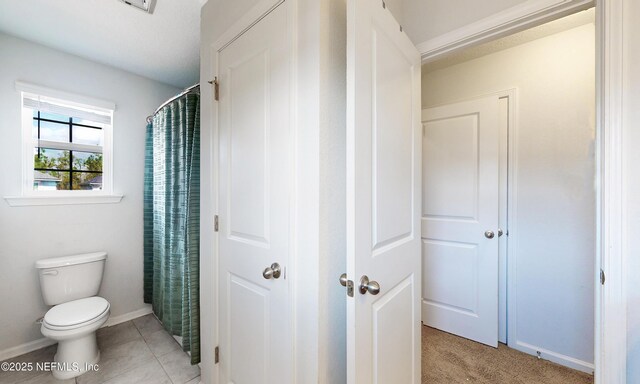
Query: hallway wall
pixel 551 299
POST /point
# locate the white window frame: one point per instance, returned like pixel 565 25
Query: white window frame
pixel 29 196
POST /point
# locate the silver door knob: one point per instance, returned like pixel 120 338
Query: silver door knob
pixel 343 279
pixel 368 286
pixel 272 272
pixel 489 234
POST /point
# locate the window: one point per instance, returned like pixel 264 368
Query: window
pixel 68 152
pixel 66 144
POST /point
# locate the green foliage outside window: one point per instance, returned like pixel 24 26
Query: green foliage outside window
pixel 83 175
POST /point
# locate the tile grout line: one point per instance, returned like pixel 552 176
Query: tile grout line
pixel 164 370
pixel 166 353
pixel 154 355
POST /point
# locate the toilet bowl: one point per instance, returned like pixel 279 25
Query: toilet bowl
pixel 71 284
pixel 73 325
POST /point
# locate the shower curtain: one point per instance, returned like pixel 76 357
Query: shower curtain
pixel 172 219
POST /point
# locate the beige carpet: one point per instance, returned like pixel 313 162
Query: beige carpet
pixel 448 359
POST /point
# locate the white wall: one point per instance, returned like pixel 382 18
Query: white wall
pixel 30 233
pixel 631 137
pixel 426 19
pixel 555 214
pixel 333 188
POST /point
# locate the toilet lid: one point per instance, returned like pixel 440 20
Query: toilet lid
pixel 76 312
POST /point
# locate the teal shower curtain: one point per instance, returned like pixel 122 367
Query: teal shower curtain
pixel 172 220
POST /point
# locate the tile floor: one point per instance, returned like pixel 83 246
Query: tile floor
pixel 136 352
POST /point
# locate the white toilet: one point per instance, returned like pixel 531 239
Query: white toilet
pixel 71 284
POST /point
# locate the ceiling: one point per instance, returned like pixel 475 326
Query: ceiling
pixel 164 46
pixel 556 26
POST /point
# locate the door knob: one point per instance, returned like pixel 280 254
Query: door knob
pixel 489 234
pixel 343 279
pixel 368 286
pixel 272 272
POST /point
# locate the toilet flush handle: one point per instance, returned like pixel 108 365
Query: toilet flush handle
pixel 52 272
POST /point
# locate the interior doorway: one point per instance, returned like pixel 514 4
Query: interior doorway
pixel 531 288
pixel 460 221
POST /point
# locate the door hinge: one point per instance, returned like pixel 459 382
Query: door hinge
pixel 216 88
pixel 216 358
pixel 215 223
pixel 602 277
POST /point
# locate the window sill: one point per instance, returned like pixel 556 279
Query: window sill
pixel 29 201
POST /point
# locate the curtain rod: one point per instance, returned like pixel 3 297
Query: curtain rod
pixel 179 95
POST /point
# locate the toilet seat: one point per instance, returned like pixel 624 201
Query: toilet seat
pixel 76 314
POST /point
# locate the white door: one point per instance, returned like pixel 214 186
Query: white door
pixel 254 195
pixel 383 198
pixel 460 204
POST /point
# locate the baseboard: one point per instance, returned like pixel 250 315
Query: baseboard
pixel 44 342
pixel 25 348
pixel 114 320
pixel 555 357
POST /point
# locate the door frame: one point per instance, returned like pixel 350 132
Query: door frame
pixel 610 298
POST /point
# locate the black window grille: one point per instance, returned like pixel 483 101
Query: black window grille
pixel 77 184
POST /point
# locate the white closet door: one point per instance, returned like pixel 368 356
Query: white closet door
pixel 460 219
pixel 254 193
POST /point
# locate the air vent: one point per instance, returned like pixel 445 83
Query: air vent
pixel 143 5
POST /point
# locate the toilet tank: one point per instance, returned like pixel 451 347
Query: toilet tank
pixel 68 278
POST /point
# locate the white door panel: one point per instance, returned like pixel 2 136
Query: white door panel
pixel 254 189
pixel 460 202
pixel 248 331
pixel 383 197
pixel 249 152
pixel 394 334
pixel 451 153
